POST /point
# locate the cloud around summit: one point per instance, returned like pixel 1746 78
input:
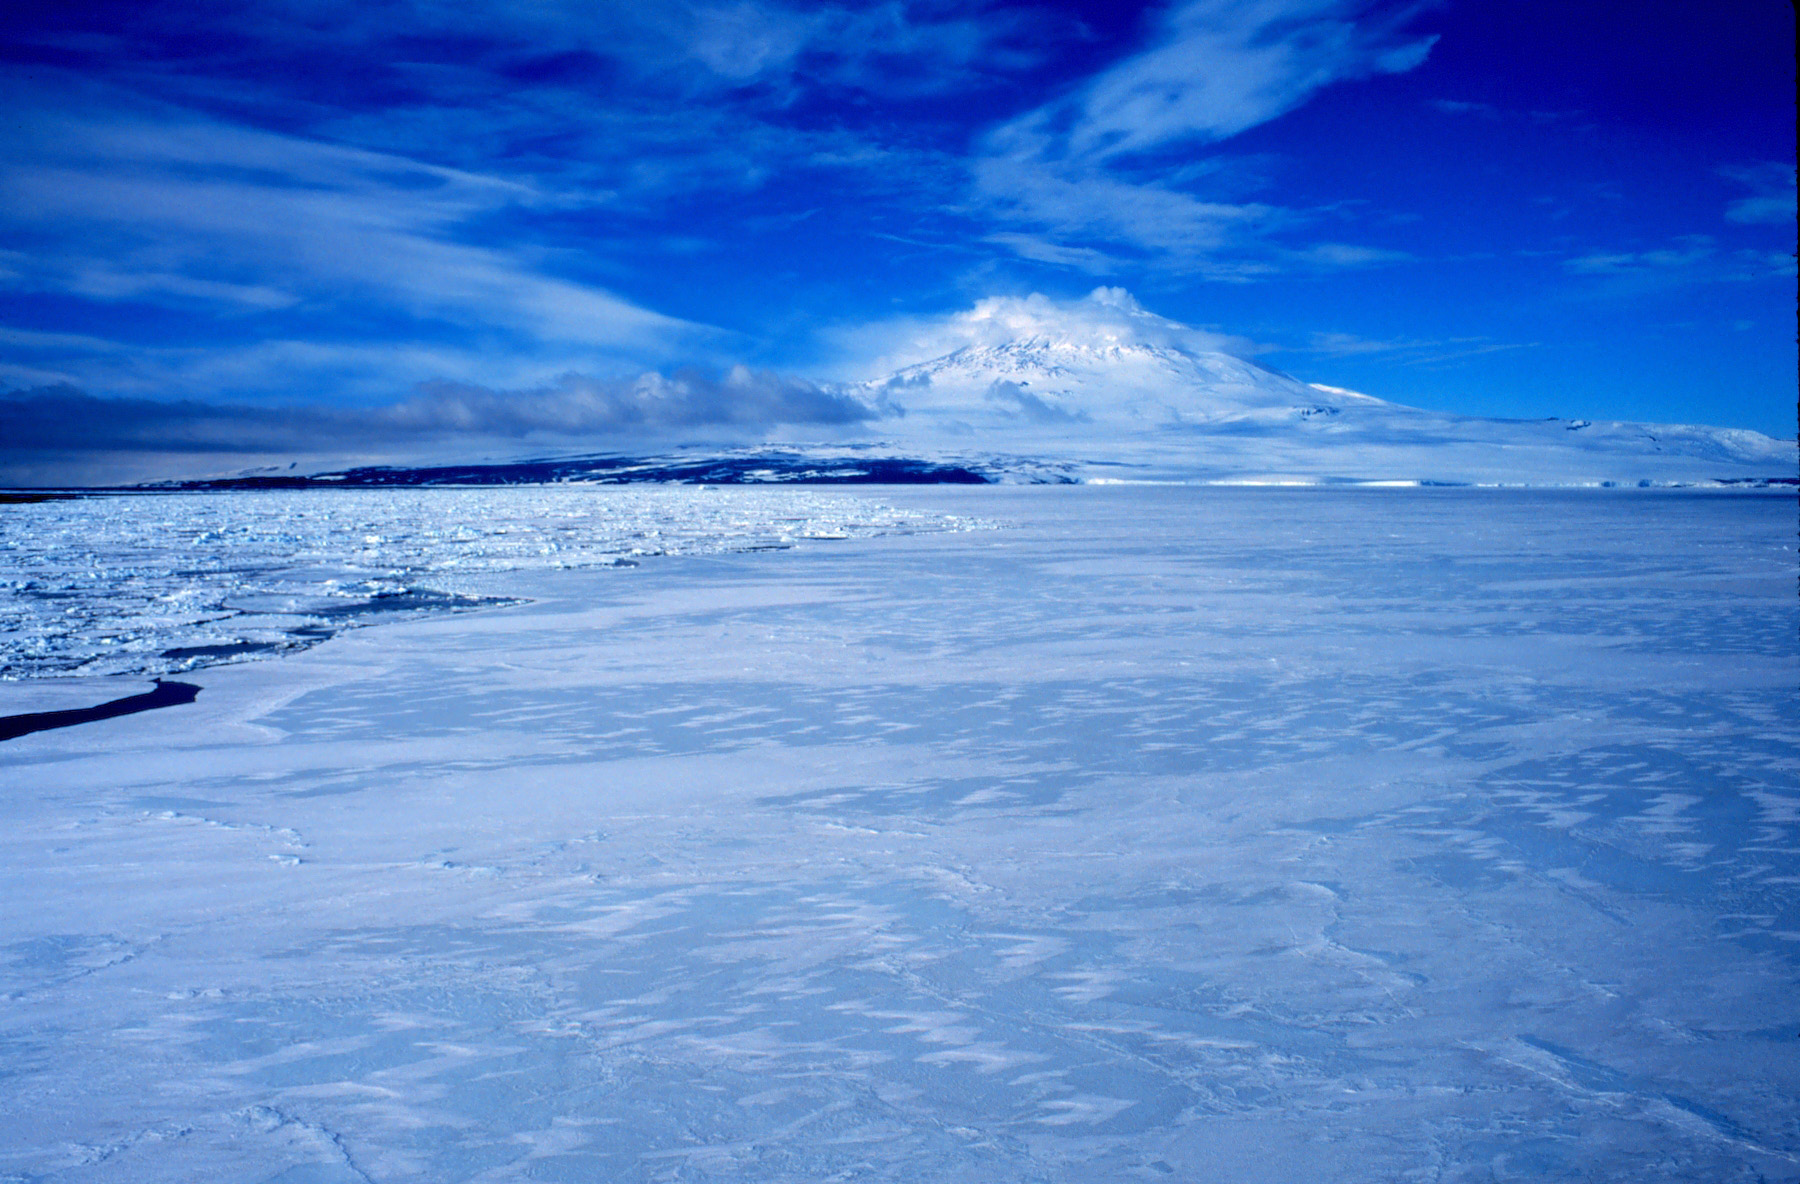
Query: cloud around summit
pixel 1105 316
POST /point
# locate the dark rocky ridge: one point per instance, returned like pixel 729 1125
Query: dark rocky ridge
pixel 763 468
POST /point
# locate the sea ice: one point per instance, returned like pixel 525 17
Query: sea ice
pixel 1162 834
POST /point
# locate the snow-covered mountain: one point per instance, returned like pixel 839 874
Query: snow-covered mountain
pixel 1095 389
pixel 1048 385
pixel 1110 406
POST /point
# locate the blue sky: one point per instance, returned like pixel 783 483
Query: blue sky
pixel 1504 207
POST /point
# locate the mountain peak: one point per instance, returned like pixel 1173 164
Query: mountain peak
pixel 1132 384
pixel 1101 386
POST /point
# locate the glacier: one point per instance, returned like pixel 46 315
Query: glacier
pixel 1144 833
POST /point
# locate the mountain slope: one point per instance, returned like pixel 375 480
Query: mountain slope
pixel 1156 411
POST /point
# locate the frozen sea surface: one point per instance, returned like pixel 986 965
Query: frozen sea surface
pixel 1167 834
pixel 157 584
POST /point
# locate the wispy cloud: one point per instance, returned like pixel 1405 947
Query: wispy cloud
pixel 1691 259
pixel 348 373
pixel 1403 351
pixel 1463 107
pixel 80 431
pixel 1014 400
pixel 579 405
pixel 180 208
pixel 1772 194
pixel 676 46
pixel 1489 111
pixel 893 49
pixel 1681 260
pixel 435 166
pixel 1035 247
pixel 1223 66
pixel 624 99
pixel 1086 169
pixel 1346 255
pixel 1103 216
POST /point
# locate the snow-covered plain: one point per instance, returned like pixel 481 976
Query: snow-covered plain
pixel 1161 834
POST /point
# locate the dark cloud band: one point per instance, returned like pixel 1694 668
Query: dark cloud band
pixel 64 419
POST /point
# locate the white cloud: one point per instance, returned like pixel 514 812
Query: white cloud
pixel 1224 66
